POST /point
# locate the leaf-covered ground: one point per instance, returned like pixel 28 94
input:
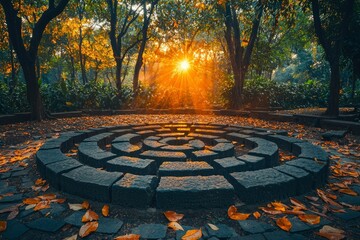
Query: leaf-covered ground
pixel 332 204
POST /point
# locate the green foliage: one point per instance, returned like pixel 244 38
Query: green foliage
pixel 15 101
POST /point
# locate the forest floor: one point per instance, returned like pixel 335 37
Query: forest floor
pixel 337 204
pixel 316 111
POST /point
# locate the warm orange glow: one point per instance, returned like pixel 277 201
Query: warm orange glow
pixel 184 65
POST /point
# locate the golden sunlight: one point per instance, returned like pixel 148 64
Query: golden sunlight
pixel 184 65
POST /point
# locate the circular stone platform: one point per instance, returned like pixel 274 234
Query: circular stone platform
pixel 181 165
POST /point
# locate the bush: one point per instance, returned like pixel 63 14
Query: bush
pixel 15 101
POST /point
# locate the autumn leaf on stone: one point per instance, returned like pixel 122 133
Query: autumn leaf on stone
pixel 194 234
pixel 331 233
pixel 298 204
pixel 128 237
pixel 235 215
pixel 42 205
pixel 85 205
pixel 257 215
pixel 49 196
pixel 175 226
pixel 90 216
pixel 88 228
pixel 40 182
pixel 310 218
pixel 213 227
pixel 270 210
pixel 105 210
pixel 75 206
pixel 348 191
pixel 279 206
pixel 3 225
pixel 284 223
pixel 29 201
pixel 173 216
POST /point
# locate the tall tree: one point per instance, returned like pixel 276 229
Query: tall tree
pixel 331 22
pixel 27 53
pixel 147 14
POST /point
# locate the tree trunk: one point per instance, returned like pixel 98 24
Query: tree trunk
pixel 334 96
pixel 13 82
pixel 118 75
pixel 72 76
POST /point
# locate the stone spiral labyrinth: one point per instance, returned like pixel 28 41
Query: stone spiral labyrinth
pixel 181 165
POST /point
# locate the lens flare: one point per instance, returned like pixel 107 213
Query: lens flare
pixel 184 65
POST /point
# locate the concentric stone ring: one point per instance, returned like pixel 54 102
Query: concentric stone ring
pixel 181 165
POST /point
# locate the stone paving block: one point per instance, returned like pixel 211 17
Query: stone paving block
pixel 348 215
pixel 224 149
pixel 186 169
pixel 308 150
pixel 54 170
pixel 318 170
pixel 255 226
pixel 281 235
pixel 171 134
pixel 352 200
pixel 134 190
pixel 303 178
pixel 210 131
pixel 152 144
pixel 197 144
pixel 101 139
pixel 194 192
pixel 45 157
pixel 13 198
pixel 151 231
pixel 187 149
pixel 63 143
pixel 20 173
pixel 125 148
pixel 224 232
pixel 146 133
pixel 284 142
pixel 262 185
pixel 266 149
pixel 109 225
pixel 230 164
pixel 207 138
pixel 75 218
pixel 146 127
pixel 298 225
pixel 131 165
pixel 46 224
pixel 14 230
pixel 91 154
pixel 54 211
pixel 334 135
pixel 89 182
pixel 129 137
pixel 253 162
pixel 238 137
pixel 205 155
pixel 164 155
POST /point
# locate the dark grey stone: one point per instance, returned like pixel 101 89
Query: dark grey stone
pixel 194 192
pixel 151 231
pixel 223 232
pixel 125 148
pixel 352 200
pixel 348 215
pixel 54 170
pixel 14 230
pixel 129 137
pixel 205 155
pixel 284 142
pixel 197 144
pixel 134 190
pixel 132 165
pixel 101 139
pixel 304 180
pixel 333 135
pixel 255 226
pixel 164 155
pixel 210 131
pixel 238 137
pixel 20 173
pixel 224 149
pixel 152 144
pixel 318 170
pixel 5 175
pixel 109 225
pixel 262 185
pixel 298 225
pixel 89 182
pixel 13 198
pixel 146 127
pixel 308 150
pixel 207 138
pixel 75 218
pixel 253 162
pixel 266 149
pixel 186 169
pixel 46 224
pixel 55 210
pixel 45 157
pixel 281 235
pixel 230 164
pixel 171 134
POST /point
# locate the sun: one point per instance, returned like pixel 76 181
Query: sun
pixel 184 65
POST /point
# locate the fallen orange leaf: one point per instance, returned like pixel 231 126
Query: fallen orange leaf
pixel 175 226
pixel 331 233
pixel 49 196
pixel 75 206
pixel 270 210
pixel 40 182
pixel 128 237
pixel 42 205
pixel 234 215
pixel 85 205
pixel 279 206
pixel 90 216
pixel 284 223
pixel 194 234
pixel 88 228
pixel 105 210
pixel 3 225
pixel 348 191
pixel 310 218
pixel 173 216
pixel 29 201
pixel 298 204
pixel 257 215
